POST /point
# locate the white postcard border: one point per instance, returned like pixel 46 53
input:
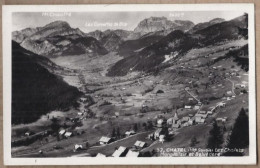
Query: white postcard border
pixel 7 29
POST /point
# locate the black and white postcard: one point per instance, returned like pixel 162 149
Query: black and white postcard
pixel 129 84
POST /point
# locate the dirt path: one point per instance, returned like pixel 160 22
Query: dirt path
pixel 192 95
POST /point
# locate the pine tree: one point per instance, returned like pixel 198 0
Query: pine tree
pixel 215 138
pixel 118 132
pixel 239 137
pixel 113 134
pixel 55 127
pixel 135 127
pixel 165 131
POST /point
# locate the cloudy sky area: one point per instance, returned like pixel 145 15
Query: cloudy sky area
pixel 90 21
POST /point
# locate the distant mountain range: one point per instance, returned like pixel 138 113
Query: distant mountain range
pixel 177 43
pixel 59 39
pixel 143 48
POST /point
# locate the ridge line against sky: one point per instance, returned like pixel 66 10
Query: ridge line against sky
pixel 91 21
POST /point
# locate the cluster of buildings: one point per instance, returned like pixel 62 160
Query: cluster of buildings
pixel 122 151
pixel 175 122
pixel 65 133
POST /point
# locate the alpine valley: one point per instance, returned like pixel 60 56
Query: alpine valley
pixel 164 84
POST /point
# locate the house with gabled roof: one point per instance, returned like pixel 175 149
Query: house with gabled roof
pixel 221 121
pixel 120 152
pixel 200 118
pixel 62 132
pixel 160 122
pixel 187 107
pixel 100 155
pixel 185 119
pixel 78 147
pixel 105 140
pixel 132 154
pixel 200 121
pixel 140 144
pixel 68 134
pixel 129 133
pixel 196 107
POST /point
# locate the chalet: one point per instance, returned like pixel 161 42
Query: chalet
pixel 151 136
pixel 191 99
pixel 105 140
pixel 78 147
pixel 162 138
pixel 28 133
pixel 209 112
pixel 129 133
pixel 83 99
pixel 200 121
pixel 187 107
pixel 221 121
pixel 185 119
pixel 200 118
pixel 68 134
pixel 117 114
pixel 132 154
pixel 140 144
pixel 202 112
pixel 222 104
pixel 121 151
pixel 201 115
pixel 229 92
pixel 80 114
pixel 100 155
pixel 242 86
pixel 160 122
pixel 62 132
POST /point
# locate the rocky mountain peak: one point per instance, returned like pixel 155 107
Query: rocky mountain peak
pixel 217 20
pixel 154 24
pixel 57 24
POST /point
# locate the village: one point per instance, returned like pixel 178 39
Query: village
pixel 135 115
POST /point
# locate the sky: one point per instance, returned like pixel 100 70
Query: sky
pixel 91 21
